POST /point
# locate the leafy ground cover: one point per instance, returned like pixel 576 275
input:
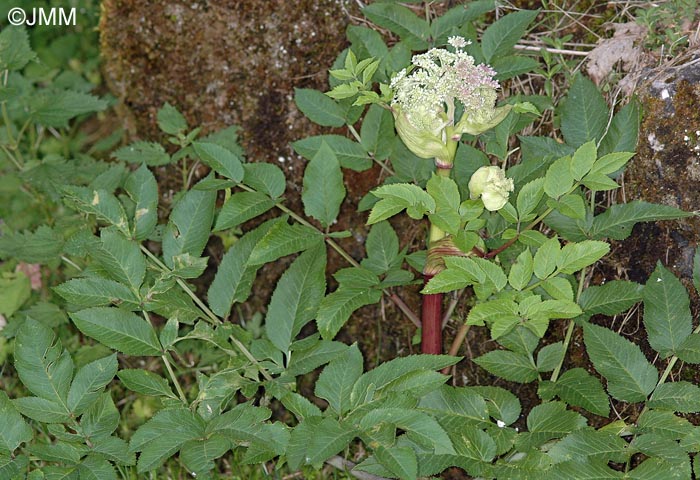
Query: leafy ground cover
pixel 129 354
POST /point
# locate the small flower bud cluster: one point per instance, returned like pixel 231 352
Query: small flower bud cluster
pixel 492 185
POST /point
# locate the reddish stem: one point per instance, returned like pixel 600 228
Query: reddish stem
pixel 431 322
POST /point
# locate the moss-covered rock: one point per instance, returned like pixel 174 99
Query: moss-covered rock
pixel 666 170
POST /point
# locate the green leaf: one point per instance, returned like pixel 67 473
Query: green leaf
pixel 241 207
pixel 454 407
pixel 667 317
pixel 350 154
pixel 529 197
pixel 623 130
pixel 549 357
pixel 101 418
pixel 95 292
pixel 329 437
pixel 163 435
pixel 121 259
pixel 584 113
pixel 681 396
pixel 118 329
pixel 583 471
pixel 613 297
pixel 510 366
pixel 42 410
pixel 189 226
pixel 14 292
pixel 611 163
pixel 374 381
pixel 377 133
pixel 296 298
pixel 396 197
pixel 382 247
pixel 538 155
pixel 13 429
pixel 689 350
pixel 445 192
pixel 338 378
pixel 412 30
pixel 100 203
pixel 663 423
pixel 323 190
pixel 170 120
pixel 583 159
pixel 510 66
pixel 655 467
pixel 336 308
pixel 319 108
pixel 234 278
pixel 220 159
pixel 571 205
pixel 599 182
pixel 631 378
pixel 421 428
pixel 41 246
pixel 299 442
pixel 461 271
pixel 552 420
pixel 575 256
pixel 145 382
pixel 199 455
pixel 142 188
pixel 579 388
pixel 521 271
pixel 283 239
pixel 94 467
pixel 307 359
pixel 42 364
pixel 265 178
pixel 89 382
pixel 400 461
pixel 448 23
pixel 500 37
pixel 559 288
pixel 559 180
pixel 15 51
pixel 151 153
pixel 115 450
pixel 545 261
pixel 617 221
pixel 588 445
pixel 54 108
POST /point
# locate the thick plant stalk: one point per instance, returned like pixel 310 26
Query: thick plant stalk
pixel 431 311
pixel 431 321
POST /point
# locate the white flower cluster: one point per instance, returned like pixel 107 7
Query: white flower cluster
pixel 426 96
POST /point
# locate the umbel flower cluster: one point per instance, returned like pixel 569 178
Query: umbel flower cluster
pixel 425 101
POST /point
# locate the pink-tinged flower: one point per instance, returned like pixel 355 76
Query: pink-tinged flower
pixel 427 97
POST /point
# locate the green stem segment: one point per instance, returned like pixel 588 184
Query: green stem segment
pixel 431 311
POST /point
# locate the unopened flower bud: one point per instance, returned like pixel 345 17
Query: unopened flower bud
pixel 424 142
pixel 479 121
pixel 490 183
